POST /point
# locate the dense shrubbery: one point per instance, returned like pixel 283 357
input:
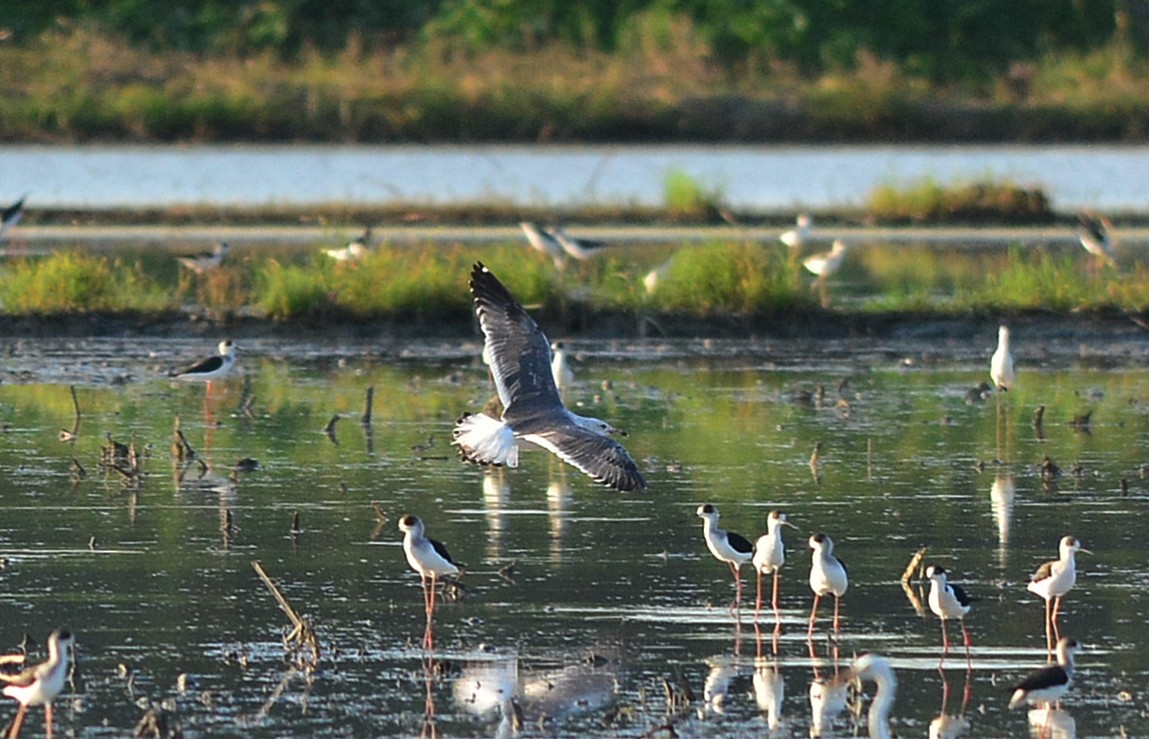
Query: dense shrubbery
pixel 552 70
pixel 942 41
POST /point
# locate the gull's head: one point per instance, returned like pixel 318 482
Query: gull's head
pixel 774 519
pixel 873 667
pixel 1071 545
pixel 1066 648
pixel 1003 334
pixel 820 542
pixel 410 525
pixel 708 511
pixel 597 425
pixel 59 641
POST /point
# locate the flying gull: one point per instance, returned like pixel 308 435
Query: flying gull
pixel 543 241
pixel 519 355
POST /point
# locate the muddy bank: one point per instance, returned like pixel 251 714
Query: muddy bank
pixel 1123 332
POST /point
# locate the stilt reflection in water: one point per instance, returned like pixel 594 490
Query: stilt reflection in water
pixel 769 690
pixel 948 725
pixel 1001 495
pixel 1047 722
pixel 717 685
pixel 828 695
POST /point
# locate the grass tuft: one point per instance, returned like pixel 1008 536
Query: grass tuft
pixel 980 202
pixel 688 199
pixel 74 282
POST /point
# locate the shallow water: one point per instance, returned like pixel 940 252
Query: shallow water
pixel 608 595
pixel 748 178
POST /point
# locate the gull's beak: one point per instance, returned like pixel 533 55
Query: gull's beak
pixel 620 432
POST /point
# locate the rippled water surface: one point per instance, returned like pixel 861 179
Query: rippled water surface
pixel 595 608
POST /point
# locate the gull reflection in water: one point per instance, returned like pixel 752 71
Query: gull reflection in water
pixel 558 498
pixel 1052 723
pixel 769 691
pixel 827 698
pixel 496 495
pixel 523 698
pixel 1001 499
pixel 717 685
pixel 486 687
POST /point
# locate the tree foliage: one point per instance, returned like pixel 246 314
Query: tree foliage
pixel 940 39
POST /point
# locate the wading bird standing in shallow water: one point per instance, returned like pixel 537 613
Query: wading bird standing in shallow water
pixel 948 601
pixel 1002 368
pixel 726 546
pixel 827 577
pixel 797 236
pixel 823 265
pixel 41 684
pixel 205 261
pixel 770 555
pixel 1053 580
pixel 210 368
pixel 355 250
pixel 519 356
pixel 430 559
pixel 1048 684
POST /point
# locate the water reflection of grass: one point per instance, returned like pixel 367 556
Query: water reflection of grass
pixel 427 282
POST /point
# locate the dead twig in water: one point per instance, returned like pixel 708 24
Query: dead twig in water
pixel 301 642
pixel 368 403
pixel 914 565
pixel 181 449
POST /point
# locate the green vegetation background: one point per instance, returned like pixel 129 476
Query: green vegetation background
pixel 552 70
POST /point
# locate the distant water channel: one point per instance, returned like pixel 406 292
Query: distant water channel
pixel 750 178
pixel 594 608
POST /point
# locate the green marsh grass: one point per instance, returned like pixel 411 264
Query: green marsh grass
pixel 76 282
pixel 688 199
pixel 1039 280
pixel 730 278
pixel 928 201
pixel 428 282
